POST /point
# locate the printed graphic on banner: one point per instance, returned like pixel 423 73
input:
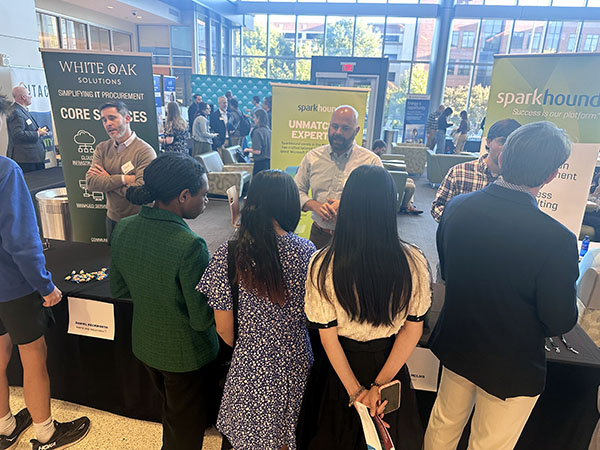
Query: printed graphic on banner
pixel 78 84
pixel 301 123
pixel 158 103
pixel 91 318
pixel 169 89
pixel 563 89
pixel 34 81
pixel 415 118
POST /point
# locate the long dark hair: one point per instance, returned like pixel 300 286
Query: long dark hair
pixel 272 195
pixel 263 119
pixel 371 272
pixel 165 178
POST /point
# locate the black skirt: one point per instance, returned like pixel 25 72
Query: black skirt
pixel 327 423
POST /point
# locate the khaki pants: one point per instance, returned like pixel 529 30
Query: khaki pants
pixel 409 193
pixel 459 143
pixel 496 425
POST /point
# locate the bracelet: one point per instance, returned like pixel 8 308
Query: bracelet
pixel 374 384
pixel 354 396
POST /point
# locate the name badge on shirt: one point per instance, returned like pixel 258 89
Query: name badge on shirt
pixel 28 122
pixel 127 167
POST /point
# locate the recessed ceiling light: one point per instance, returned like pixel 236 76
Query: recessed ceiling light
pixel 139 17
pixel 110 7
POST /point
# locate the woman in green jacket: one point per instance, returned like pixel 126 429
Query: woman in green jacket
pixel 156 261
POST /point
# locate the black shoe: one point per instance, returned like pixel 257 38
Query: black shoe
pixel 65 435
pixel 23 419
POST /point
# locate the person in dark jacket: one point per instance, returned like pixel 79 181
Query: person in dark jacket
pixel 24 133
pixel 218 123
pixel 194 111
pixel 261 142
pixel 510 282
pixel 440 134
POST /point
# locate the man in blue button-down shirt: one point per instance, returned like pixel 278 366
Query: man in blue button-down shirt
pixel 26 295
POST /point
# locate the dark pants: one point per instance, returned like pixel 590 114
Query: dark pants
pixel 110 226
pixel 260 165
pixel 319 237
pixel 31 167
pixel 187 399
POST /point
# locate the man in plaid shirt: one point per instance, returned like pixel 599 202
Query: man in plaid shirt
pixel 474 175
pixel 431 126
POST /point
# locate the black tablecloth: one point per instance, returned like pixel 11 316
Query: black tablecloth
pixel 105 374
pixel 40 180
pixel 93 372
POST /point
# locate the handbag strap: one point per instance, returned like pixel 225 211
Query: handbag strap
pixel 234 285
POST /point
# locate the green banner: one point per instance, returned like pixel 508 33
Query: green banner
pixel 301 117
pixel 563 89
pixel 79 83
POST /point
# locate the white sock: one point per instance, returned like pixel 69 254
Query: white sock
pixel 44 430
pixel 7 424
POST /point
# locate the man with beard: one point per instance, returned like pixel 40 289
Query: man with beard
pixel 474 175
pixel 118 163
pixel 324 171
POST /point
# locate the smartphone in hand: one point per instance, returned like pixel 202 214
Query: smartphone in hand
pixel 390 392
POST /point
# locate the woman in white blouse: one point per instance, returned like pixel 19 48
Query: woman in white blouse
pixel 367 293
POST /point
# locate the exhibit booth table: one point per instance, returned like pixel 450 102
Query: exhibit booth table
pixel 94 372
pixel 104 374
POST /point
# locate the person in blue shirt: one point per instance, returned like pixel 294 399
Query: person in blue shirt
pixel 26 295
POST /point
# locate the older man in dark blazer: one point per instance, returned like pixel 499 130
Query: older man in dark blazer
pixel 218 123
pixel 510 282
pixel 24 134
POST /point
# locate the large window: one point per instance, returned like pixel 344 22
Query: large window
pixel 61 32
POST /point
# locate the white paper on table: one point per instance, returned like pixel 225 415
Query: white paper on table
pixel 424 367
pixel 91 318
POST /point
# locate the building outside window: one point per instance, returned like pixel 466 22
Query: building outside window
pixel 591 43
pixel 468 39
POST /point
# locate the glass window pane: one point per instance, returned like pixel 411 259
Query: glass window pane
pixel 424 39
pixel 527 36
pixel 201 35
pixel 181 41
pixel 73 34
pixel 458 75
pixel 589 37
pixel 303 69
pixel 254 67
pixel 48 31
pixel 430 2
pixel 282 37
pixel 236 68
pixel 561 37
pixel 501 2
pixel 310 36
pixel 371 1
pixel 395 95
pixel 465 48
pixel 469 2
pixel 418 79
pixel 568 2
pixel 479 97
pixel 406 1
pixel 154 39
pixel 534 2
pixel 214 37
pixel 236 44
pixel 254 42
pixel 121 42
pixel 595 3
pixel 99 38
pixel 493 39
pixel 399 38
pixel 202 65
pixel 338 38
pixel 281 69
pixel 368 39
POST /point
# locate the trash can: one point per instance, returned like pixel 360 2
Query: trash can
pixel 53 205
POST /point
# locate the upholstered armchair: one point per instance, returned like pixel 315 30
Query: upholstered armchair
pixel 414 155
pixel 221 177
pixel 438 165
